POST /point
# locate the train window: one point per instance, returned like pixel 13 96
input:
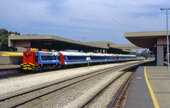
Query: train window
pixel 76 58
pixel 43 57
pixel 51 57
pixel 36 58
pixel 48 58
pixel 54 57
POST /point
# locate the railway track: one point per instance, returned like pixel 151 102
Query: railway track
pixel 15 71
pixel 29 96
pixel 116 100
pixel 119 98
pixel 7 72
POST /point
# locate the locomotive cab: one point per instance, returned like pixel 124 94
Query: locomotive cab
pixel 40 60
pixel 29 60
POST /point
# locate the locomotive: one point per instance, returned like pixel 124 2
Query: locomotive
pixel 43 60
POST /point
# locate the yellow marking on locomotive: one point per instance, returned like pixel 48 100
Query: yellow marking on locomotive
pixel 12 54
pixel 32 64
pixel 24 68
pixel 28 66
pixel 34 49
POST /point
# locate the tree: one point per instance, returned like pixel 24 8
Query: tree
pixel 4 34
pixel 144 53
pixel 10 32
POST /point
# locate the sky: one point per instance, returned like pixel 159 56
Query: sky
pixel 83 20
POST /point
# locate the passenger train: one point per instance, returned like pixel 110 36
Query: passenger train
pixel 43 60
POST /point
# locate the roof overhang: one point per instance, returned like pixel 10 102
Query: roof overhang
pixel 109 45
pixel 50 38
pixel 144 39
pixel 124 46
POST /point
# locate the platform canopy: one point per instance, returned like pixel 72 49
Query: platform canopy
pixel 145 39
pixel 113 45
pixel 154 40
pixel 60 43
pixel 45 39
pixel 121 48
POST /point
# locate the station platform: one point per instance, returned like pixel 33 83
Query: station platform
pixel 8 70
pixel 3 67
pixel 150 87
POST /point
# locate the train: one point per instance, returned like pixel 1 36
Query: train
pixel 44 60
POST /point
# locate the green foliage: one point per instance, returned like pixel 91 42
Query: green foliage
pixel 4 34
pixel 144 54
pixel 10 32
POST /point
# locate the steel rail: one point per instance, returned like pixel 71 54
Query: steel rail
pixel 101 72
pixel 119 91
pixel 6 98
pixel 93 97
pixel 113 103
pixel 93 74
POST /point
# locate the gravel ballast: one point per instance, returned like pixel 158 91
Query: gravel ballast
pixel 16 83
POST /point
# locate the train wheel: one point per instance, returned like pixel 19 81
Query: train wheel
pixel 40 69
pixel 54 67
pixel 59 66
pixel 44 68
pixel 37 69
pixel 64 66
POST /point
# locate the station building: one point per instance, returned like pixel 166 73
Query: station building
pixel 153 40
pixel 59 43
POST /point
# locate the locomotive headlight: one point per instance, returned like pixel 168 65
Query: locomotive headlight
pixel 34 54
pixel 26 53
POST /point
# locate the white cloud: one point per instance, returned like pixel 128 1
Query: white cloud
pixel 111 17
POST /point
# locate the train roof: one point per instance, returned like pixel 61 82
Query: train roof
pixel 69 50
pixel 75 53
pixel 69 53
pixel 48 53
pixel 106 54
pixel 95 54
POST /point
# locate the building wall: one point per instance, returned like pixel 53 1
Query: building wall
pixel 10 59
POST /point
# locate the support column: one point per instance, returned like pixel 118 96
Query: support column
pixel 160 55
pixel 103 51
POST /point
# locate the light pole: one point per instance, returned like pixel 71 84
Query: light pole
pixel 167 38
